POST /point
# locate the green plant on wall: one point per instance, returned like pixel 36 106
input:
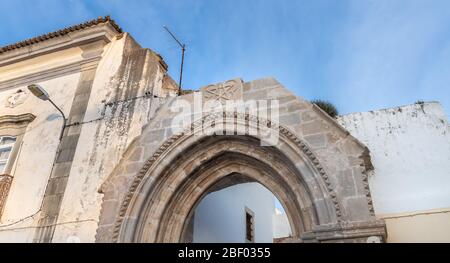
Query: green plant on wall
pixel 327 107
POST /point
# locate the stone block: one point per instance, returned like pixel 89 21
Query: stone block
pixel 246 87
pixel 81 98
pixel 84 86
pixel 73 130
pixel 317 140
pixel 286 99
pixel 51 204
pixel 294 106
pixel 61 169
pixel 168 122
pixel 351 147
pixel 358 180
pixel 56 186
pixel 264 83
pixel 346 183
pixel 333 137
pixel 74 118
pixel 308 116
pixel 154 136
pixel 66 155
pixel 322 209
pixel 356 208
pixel 69 141
pixel 78 109
pixel 290 119
pixel 104 234
pixel 133 167
pixel 110 208
pixel 313 127
pixel 277 92
pixel 255 94
pixel 136 155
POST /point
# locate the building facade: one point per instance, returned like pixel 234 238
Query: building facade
pixel 410 185
pixel 237 214
pixel 136 155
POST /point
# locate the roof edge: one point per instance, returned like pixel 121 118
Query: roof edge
pixel 61 32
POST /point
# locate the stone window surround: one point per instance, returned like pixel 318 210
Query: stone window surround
pixel 14 126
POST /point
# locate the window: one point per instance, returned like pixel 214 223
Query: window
pixel 12 130
pixel 6 147
pixel 249 226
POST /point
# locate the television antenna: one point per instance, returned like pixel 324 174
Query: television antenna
pixel 183 49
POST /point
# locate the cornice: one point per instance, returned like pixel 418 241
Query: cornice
pixel 104 31
pixel 39 76
pixel 22 119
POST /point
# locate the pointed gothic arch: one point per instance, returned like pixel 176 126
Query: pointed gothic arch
pixel 180 173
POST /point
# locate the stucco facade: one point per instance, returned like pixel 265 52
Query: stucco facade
pixel 410 185
pixel 136 156
pixel 102 79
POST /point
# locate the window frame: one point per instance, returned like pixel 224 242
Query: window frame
pixel 249 226
pixel 11 126
pixel 8 162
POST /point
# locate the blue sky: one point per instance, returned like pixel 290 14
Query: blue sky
pixel 361 55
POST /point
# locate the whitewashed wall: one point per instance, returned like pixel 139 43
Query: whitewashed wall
pixel 220 216
pixel 104 134
pixel 410 186
pixel 39 144
pixel 281 226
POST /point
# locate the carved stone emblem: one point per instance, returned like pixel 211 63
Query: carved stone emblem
pixel 229 90
pixel 17 98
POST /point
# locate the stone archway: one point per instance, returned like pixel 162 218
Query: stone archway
pixel 173 181
pixel 170 184
pixel 188 179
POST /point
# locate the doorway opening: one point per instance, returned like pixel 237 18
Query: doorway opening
pixel 241 213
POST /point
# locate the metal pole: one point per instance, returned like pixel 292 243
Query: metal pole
pixel 183 49
pixel 64 118
pixel 181 70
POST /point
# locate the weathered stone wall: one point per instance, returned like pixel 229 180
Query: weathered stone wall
pixel 342 161
pixel 343 156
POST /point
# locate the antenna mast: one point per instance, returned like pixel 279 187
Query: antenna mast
pixel 183 48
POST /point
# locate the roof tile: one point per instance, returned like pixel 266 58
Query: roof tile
pixel 60 32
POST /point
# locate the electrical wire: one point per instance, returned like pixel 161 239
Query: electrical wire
pixel 50 225
pixel 20 220
pixel 416 214
pixel 147 95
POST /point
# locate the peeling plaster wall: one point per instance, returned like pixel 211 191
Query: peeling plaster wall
pixel 119 100
pixel 410 186
pixel 129 86
pixel 37 151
